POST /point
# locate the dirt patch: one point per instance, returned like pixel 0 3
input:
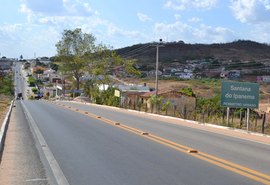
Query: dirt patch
pixel 4 106
pixel 200 88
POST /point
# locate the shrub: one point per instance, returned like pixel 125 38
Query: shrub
pixel 35 90
pixel 31 81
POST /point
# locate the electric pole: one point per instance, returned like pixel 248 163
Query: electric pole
pixel 159 44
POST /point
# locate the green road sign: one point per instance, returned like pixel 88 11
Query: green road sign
pixel 240 94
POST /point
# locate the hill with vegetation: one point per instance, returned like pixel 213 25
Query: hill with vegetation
pixel 243 50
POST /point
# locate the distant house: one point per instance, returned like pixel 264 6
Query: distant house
pixel 38 70
pixel 224 74
pixel 130 94
pixel 5 68
pixel 49 71
pixel 167 72
pixel 5 65
pixel 53 78
pixel 177 99
pixel 234 74
pixel 152 73
pixel 263 79
pixel 26 65
pixel 45 77
pixel 44 60
pixel 186 75
pixel 87 77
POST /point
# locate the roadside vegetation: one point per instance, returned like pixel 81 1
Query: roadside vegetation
pixel 79 54
pixel 6 84
pixel 6 95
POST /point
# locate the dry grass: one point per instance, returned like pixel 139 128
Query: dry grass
pixel 4 105
pixel 201 89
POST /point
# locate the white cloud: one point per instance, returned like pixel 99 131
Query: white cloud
pixel 251 11
pixel 143 17
pixel 190 4
pixel 195 19
pixel 29 13
pixel 44 7
pixel 261 33
pixel 35 9
pixel 200 34
pixel 207 33
pixel 24 37
pixel 177 17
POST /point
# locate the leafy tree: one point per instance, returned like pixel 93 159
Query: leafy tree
pixel 209 105
pixel 72 52
pixel 187 91
pixel 31 81
pixel 109 98
pixel 54 66
pixel 166 105
pixel 91 89
pixel 104 60
pixel 156 100
pixel 35 90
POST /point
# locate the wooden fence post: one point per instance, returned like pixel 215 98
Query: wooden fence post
pixel 263 122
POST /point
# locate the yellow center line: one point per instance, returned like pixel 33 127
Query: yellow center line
pixel 244 171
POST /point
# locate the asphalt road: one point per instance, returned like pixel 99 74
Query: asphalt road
pixel 20 81
pixel 20 162
pixel 247 153
pixel 87 150
pixel 90 151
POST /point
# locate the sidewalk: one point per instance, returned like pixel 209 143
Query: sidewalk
pixel 21 164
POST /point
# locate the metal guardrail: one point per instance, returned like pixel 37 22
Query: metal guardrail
pixel 4 127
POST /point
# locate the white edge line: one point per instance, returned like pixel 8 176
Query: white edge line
pixel 56 170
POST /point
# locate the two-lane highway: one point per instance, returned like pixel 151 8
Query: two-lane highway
pixel 89 144
pixel 91 151
pixel 245 152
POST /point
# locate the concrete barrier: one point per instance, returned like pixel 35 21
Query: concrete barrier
pixel 4 127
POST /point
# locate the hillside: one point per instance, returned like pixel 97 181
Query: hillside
pixel 180 51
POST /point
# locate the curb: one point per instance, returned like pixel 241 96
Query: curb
pixel 180 119
pixel 4 127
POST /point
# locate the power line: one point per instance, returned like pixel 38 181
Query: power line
pixel 135 52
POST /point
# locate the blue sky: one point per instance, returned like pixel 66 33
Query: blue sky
pixel 32 27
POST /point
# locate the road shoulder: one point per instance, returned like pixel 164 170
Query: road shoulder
pixel 20 162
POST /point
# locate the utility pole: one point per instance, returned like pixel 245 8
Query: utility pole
pixel 159 44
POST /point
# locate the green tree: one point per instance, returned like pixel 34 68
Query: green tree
pixel 32 81
pixel 73 52
pixel 35 90
pixel 156 100
pixel 187 91
pixel 103 62
pixel 54 66
pixel 91 89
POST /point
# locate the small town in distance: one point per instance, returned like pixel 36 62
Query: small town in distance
pixel 189 87
pixel 156 92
